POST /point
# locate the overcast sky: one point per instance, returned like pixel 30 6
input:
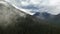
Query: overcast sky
pixel 50 6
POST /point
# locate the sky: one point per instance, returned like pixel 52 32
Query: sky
pixel 33 6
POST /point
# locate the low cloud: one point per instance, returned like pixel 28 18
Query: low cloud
pixel 50 6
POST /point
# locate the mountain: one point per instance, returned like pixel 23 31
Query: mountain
pixel 43 15
pixel 51 19
pixel 14 21
pixel 55 20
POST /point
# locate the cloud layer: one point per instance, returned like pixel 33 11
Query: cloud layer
pixel 33 6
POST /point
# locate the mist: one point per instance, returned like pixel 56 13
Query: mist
pixel 15 21
pixel 49 6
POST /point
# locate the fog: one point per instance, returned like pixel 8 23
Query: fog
pixel 15 21
pixel 49 6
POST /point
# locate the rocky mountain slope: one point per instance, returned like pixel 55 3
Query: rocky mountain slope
pixel 14 21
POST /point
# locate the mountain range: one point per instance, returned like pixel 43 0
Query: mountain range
pixel 14 21
pixel 51 19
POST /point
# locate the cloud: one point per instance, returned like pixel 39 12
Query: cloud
pixel 50 6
